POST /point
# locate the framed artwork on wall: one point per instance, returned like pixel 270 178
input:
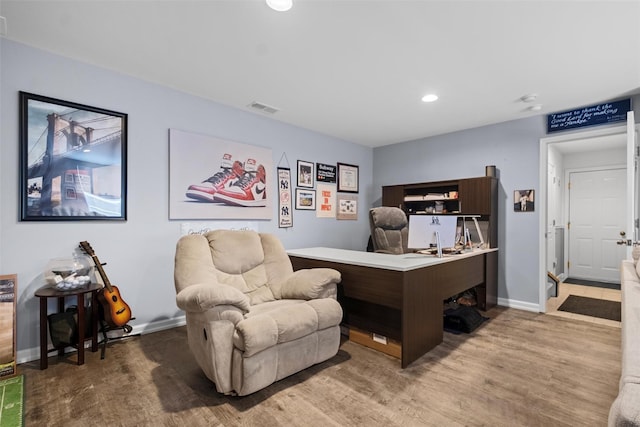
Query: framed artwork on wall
pixel 213 178
pixel 305 199
pixel 326 201
pixel 285 216
pixel 347 207
pixel 305 174
pixel 523 201
pixel 348 178
pixel 73 161
pixel 325 173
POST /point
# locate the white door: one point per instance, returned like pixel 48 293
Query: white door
pixel 597 215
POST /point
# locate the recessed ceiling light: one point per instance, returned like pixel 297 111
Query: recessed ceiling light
pixel 429 97
pixel 280 5
pixel 535 107
pixel 529 98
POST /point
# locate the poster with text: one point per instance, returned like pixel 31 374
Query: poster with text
pixel 326 201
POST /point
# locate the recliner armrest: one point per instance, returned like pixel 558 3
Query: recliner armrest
pixel 203 296
pixel 311 283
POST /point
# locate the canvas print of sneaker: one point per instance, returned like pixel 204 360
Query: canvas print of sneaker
pixel 228 174
pixel 249 190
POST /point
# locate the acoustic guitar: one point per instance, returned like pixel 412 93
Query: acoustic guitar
pixel 116 312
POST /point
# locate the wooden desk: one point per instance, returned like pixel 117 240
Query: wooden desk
pixel 46 292
pixel 401 296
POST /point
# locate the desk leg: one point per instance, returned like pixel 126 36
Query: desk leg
pixel 43 334
pixel 81 327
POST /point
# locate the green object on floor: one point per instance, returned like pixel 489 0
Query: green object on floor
pixel 12 401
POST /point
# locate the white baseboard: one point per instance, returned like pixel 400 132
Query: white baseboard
pixel 33 353
pixel 521 305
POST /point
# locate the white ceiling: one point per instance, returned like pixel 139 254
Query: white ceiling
pixel 356 69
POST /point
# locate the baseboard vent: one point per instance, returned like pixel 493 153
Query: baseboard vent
pixel 264 107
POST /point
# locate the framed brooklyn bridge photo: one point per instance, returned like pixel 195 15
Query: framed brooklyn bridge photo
pixel 73 161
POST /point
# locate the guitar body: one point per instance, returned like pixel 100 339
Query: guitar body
pixel 116 311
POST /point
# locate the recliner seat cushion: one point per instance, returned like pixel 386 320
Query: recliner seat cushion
pixel 258 332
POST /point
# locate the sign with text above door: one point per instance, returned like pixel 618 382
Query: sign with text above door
pixel 599 114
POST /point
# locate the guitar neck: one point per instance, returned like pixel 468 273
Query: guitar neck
pixel 103 275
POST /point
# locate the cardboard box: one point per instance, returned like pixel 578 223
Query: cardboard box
pixel 376 342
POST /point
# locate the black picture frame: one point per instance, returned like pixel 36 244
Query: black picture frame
pixel 524 200
pixel 305 174
pixel 326 173
pixel 73 161
pixel 305 199
pixel 348 178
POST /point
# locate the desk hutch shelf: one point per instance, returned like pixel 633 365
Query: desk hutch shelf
pixel 467 196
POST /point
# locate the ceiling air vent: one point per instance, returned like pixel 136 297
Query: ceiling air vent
pixel 264 107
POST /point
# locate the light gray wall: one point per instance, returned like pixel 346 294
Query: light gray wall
pixel 513 147
pixel 139 252
pixel 611 157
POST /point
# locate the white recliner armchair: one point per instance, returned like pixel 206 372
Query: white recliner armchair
pixel 252 320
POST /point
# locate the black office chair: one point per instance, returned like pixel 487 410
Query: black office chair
pixel 389 230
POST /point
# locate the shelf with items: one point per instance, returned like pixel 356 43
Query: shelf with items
pixel 431 206
pixel 466 196
pixel 475 200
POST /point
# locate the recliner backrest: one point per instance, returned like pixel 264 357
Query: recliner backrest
pixel 254 263
pixel 389 229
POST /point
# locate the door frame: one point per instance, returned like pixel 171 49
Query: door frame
pixel 542 198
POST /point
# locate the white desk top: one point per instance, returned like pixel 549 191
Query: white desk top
pixel 404 262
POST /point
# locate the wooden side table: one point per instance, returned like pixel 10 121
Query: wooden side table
pixel 46 292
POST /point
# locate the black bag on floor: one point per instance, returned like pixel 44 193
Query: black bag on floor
pixel 63 327
pixel 462 319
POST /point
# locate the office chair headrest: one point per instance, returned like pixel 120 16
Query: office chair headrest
pixel 389 218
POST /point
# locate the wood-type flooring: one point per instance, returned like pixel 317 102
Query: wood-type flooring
pixel 518 369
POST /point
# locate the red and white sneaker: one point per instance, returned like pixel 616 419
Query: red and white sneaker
pixel 228 174
pixel 249 190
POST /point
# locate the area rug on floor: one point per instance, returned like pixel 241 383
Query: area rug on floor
pixel 11 402
pixel 593 307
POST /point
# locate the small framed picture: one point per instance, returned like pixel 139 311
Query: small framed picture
pixel 305 174
pixel 347 178
pixel 305 199
pixel 523 201
pixel 347 207
pixel 325 173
